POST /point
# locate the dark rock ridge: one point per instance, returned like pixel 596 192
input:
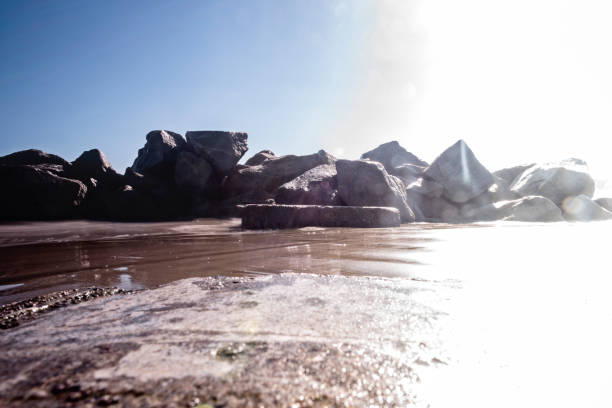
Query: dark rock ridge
pixel 174 178
pixel 259 216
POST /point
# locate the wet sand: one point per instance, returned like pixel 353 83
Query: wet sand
pixel 39 258
pixel 433 315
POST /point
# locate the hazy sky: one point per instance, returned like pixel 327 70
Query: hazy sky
pixel 519 80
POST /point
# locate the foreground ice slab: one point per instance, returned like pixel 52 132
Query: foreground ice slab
pixel 281 340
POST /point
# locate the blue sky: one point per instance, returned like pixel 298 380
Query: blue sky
pixel 520 81
pixel 84 74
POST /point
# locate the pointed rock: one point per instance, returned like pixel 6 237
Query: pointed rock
pixel 94 164
pixel 461 175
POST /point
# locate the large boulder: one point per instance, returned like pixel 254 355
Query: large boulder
pixel 555 181
pixel 392 155
pixel 367 183
pixel 529 209
pixel 32 157
pixel 606 203
pixel 316 186
pixel 255 184
pixel 260 216
pixel 582 208
pixel 510 174
pixel 159 154
pixel 460 173
pixel 192 172
pixel 33 192
pixel 260 157
pixel 94 164
pixel 222 150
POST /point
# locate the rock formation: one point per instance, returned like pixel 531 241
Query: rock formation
pixel 200 177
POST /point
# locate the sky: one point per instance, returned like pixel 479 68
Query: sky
pixel 520 81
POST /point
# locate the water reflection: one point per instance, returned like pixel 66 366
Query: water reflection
pixel 47 257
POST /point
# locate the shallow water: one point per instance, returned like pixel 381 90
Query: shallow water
pixel 43 257
pixel 524 312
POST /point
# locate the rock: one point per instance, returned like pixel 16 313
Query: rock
pixel 500 191
pixel 192 172
pixel 33 192
pixel 93 164
pixel 316 186
pixel 582 208
pixel 159 154
pixel 254 184
pixel 408 173
pixel 260 157
pixel 529 209
pixel 438 209
pixel 555 181
pixel 605 203
pixel 32 157
pixel 366 183
pixel 460 173
pixel 392 155
pixel 510 174
pixel 129 204
pixel 221 149
pixel 260 216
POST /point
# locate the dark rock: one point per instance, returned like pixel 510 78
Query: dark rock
pixel 316 186
pixel 605 203
pixel 222 150
pixel 260 216
pixel 260 157
pixel 582 208
pixel 366 183
pixel 392 155
pixel 460 173
pixel 34 192
pixel 93 164
pixel 192 172
pixel 32 157
pixel 510 174
pixel 129 204
pixel 255 184
pixel 529 209
pixel 555 181
pixel 159 154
